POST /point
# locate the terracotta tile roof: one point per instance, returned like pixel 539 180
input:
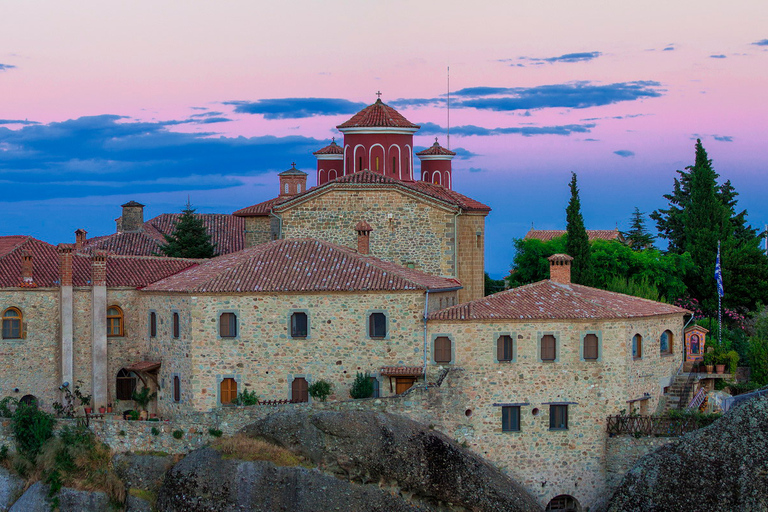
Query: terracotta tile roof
pixel 262 209
pixel 436 149
pixel 547 300
pixel 293 171
pixel 128 271
pixel 226 231
pixel 9 243
pixel 330 149
pixel 378 115
pixel 447 195
pixel 593 234
pixel 299 265
pixel 406 371
pixel 144 366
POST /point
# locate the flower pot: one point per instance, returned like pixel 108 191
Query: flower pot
pixel 720 368
pixel 153 415
pixel 101 410
pixel 143 415
pixel 109 410
pixel 709 368
pixel 88 410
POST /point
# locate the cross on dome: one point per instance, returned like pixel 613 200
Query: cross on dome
pixel 378 94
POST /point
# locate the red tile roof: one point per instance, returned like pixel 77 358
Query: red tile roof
pixel 547 300
pixel 260 210
pixel 593 234
pixel 377 115
pixel 299 265
pixel 144 366
pixel 330 149
pixel 436 149
pixel 45 270
pixel 406 371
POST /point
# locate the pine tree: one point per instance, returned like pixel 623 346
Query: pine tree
pixel 190 238
pixel 638 237
pixel 577 241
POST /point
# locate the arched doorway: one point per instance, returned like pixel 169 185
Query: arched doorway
pixel 29 400
pixel 564 503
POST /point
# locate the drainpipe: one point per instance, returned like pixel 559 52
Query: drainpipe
pixel 279 224
pixel 426 312
pixel 456 244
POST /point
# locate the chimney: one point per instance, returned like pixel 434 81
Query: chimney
pixel 292 181
pixel 132 220
pixel 26 267
pixel 65 264
pixel 363 237
pixel 560 268
pixel 81 236
pixel 99 268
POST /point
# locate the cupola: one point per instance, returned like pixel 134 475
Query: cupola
pixel 292 181
pixel 330 162
pixel 436 165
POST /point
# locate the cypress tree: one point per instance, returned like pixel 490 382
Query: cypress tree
pixel 190 238
pixel 577 241
pixel 638 237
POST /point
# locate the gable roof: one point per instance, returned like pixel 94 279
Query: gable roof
pixel 546 235
pixel 299 265
pixel 377 115
pixel 548 300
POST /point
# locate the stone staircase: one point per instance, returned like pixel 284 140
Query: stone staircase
pixel 681 391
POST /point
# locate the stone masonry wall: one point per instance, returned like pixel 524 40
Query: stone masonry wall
pixel 406 230
pixel 471 256
pixel 257 230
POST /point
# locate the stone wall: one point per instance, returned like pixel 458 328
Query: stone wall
pixel 258 230
pixel 471 256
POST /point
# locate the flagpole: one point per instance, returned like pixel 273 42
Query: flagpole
pixel 719 301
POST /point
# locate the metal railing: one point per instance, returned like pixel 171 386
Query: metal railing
pixel 730 402
pixel 659 426
pixel 698 399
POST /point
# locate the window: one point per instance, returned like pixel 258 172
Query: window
pixel 360 163
pixel 394 165
pixel 665 342
pixel 228 325
pixel 377 325
pixel 177 388
pixel 299 390
pixel 510 418
pixel 548 348
pixel 176 325
pixel 114 321
pixel 637 346
pixel 125 384
pixel 558 417
pixel 377 164
pixel 12 323
pixel 299 325
pixel 442 346
pixel 590 347
pixel 228 390
pixel 152 324
pixel 504 348
pixel 286 188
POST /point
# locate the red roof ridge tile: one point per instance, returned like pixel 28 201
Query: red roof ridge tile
pixel 378 115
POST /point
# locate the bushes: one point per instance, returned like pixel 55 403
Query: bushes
pixel 246 398
pixel 31 429
pixel 362 387
pixel 178 434
pixel 321 390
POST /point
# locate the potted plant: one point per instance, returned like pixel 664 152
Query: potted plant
pixel 85 400
pixel 102 409
pixel 720 360
pixel 109 408
pixel 142 399
pixel 709 361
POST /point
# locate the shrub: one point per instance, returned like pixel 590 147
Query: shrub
pixel 214 432
pixel 155 431
pixel 321 390
pixel 246 398
pixel 121 433
pixel 362 387
pixel 31 428
pixel 3 453
pixel 143 397
pixel 178 434
pixel 7 406
pixel 243 447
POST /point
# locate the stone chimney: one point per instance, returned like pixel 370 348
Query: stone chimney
pixel 99 268
pixel 26 267
pixel 560 268
pixel 132 220
pixel 292 182
pixel 65 264
pixel 81 236
pixel 363 237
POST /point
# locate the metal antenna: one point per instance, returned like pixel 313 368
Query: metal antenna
pixel 449 109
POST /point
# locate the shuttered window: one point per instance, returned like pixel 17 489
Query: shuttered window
pixel 590 347
pixel 558 417
pixel 176 388
pixel 176 326
pixel 228 388
pixel 152 324
pixel 299 324
pixel 377 325
pixel 637 346
pixel 299 390
pixel 510 418
pixel 504 348
pixel 548 348
pixel 442 349
pixel 228 325
pixel 12 322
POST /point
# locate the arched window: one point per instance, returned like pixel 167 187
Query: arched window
pixel 665 342
pixel 114 321
pixel 590 347
pixel 299 390
pixel 504 348
pixel 548 348
pixel 125 384
pixel 436 178
pixel 12 323
pixel 29 400
pixel 152 324
pixel 637 346
pixel 176 388
pixel 564 503
pixel 298 187
pixel 442 349
pixel 228 388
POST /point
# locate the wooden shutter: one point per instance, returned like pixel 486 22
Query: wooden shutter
pixel 442 349
pixel 299 390
pixel 176 388
pixel 504 348
pixel 228 390
pixel 176 325
pixel 510 418
pixel 590 347
pixel 558 417
pixel 548 348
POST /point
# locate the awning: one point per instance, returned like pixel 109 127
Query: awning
pixel 402 371
pixel 144 366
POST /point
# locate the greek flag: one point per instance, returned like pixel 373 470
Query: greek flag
pixel 719 274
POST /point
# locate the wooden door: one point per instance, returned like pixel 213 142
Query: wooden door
pixel 228 390
pixel 403 384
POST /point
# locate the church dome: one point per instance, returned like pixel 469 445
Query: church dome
pixel 378 115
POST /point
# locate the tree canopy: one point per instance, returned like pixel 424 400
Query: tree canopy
pixel 638 237
pixel 577 241
pixel 190 238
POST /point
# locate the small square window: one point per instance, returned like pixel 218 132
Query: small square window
pixel 377 325
pixel 558 417
pixel 299 324
pixel 510 418
pixel 548 348
pixel 228 325
pixel 442 349
pixel 590 347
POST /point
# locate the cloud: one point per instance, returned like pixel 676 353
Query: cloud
pixel 295 108
pixel 4 67
pixel 568 95
pixel 669 49
pixel 17 121
pixel 111 154
pixel 723 138
pixel 762 42
pixel 568 57
pixel 476 169
pixel 719 56
pixel 526 131
pixel 206 114
pixel 624 153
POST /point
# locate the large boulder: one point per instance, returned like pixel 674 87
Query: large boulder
pixel 139 471
pixel 723 467
pixel 35 499
pixel 395 452
pixel 11 487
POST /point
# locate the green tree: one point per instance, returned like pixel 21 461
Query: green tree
pixel 190 238
pixel 638 237
pixel 758 351
pixel 493 285
pixel 577 241
pixel 530 263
